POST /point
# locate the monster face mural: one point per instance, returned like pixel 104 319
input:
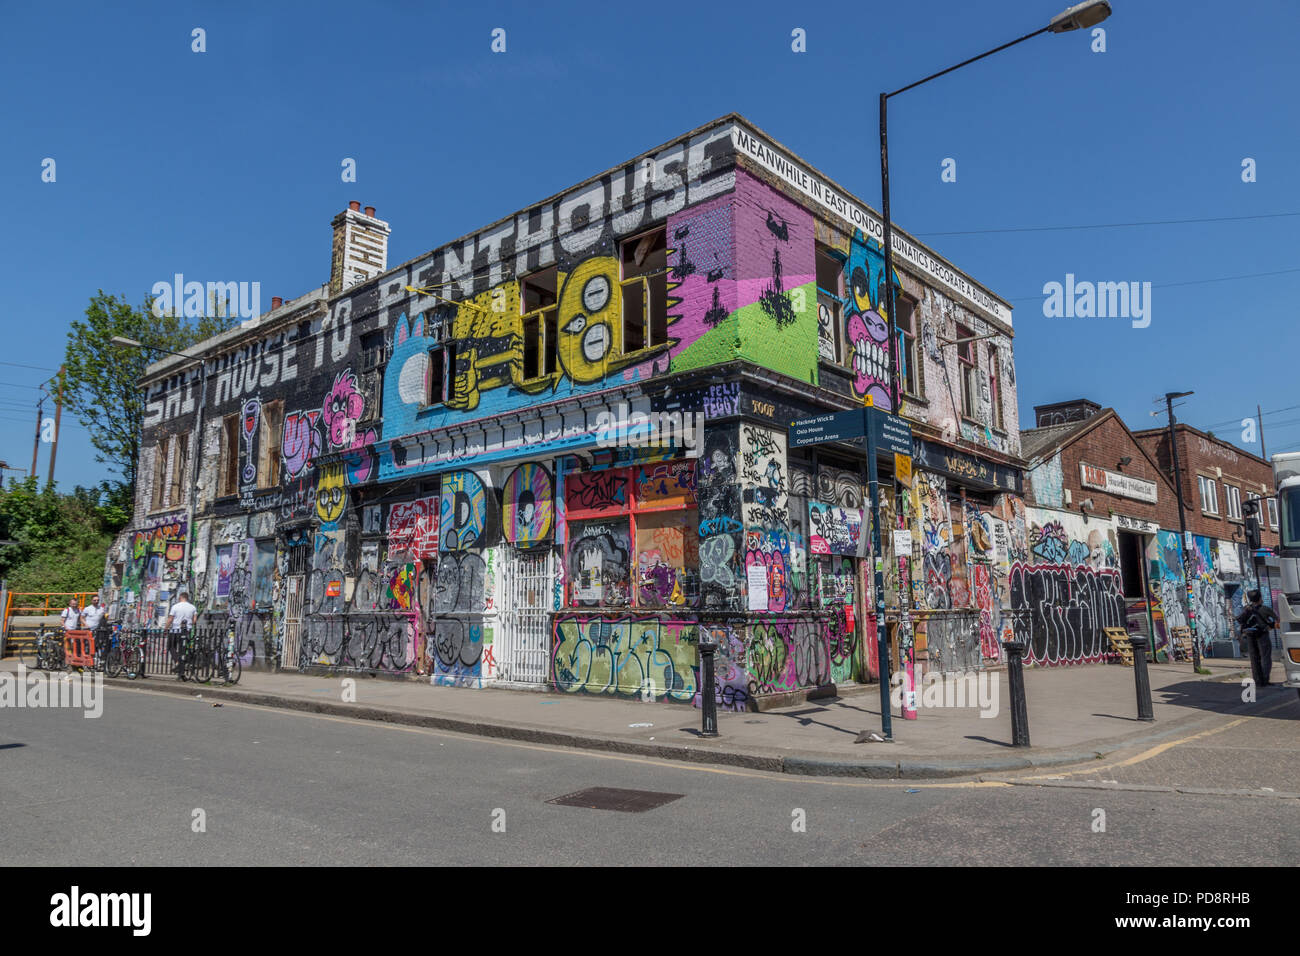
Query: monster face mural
pixel 866 320
pixel 590 319
pixel 331 495
pixel 342 410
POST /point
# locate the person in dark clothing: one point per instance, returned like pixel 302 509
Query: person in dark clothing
pixel 1255 621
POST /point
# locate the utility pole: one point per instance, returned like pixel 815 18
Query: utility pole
pixel 36 442
pixel 1259 417
pixel 58 414
pixel 1182 529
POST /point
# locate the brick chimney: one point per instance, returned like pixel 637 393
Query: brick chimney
pixel 360 248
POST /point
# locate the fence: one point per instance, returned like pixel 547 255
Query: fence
pixel 162 648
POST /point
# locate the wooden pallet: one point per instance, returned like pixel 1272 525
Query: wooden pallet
pixel 1120 644
pixel 1181 640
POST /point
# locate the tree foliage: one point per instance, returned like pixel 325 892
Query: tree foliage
pixel 101 384
pixel 59 541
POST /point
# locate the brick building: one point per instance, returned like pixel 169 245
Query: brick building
pixel 473 466
pixel 1217 477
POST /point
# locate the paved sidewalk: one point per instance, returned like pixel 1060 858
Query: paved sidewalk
pixel 1075 714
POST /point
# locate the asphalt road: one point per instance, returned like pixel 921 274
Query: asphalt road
pixel 281 787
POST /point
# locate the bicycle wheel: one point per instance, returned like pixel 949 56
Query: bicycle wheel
pixel 113 662
pixel 234 670
pixel 32 656
pixel 133 662
pixel 203 662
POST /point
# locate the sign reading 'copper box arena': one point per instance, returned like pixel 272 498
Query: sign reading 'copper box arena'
pixel 1115 483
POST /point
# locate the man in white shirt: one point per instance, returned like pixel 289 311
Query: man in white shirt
pixel 182 614
pixel 93 614
pixel 71 615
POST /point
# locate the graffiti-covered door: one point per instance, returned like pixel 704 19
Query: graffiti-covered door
pixel 292 620
pixel 524 646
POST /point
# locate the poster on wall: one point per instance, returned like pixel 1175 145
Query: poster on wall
pixel 225 564
pixel 756 578
pixel 833 530
pixel 588 585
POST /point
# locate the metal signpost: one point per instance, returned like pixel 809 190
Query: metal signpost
pixel 884 433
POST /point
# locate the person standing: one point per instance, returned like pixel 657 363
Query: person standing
pixel 93 614
pixel 1255 621
pixel 71 615
pixel 180 618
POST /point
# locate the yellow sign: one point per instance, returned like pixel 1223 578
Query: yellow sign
pixel 903 469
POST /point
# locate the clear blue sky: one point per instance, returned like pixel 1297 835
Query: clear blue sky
pixel 225 165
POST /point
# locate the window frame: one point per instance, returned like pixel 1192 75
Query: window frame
pixel 968 363
pixel 270 431
pixel 228 470
pixel 995 387
pixel 548 330
pixel 160 498
pixel 910 346
pixel 833 299
pixel 1204 483
pixel 1232 500
pixel 647 294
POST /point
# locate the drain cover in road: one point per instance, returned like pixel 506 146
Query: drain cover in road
pixel 614 798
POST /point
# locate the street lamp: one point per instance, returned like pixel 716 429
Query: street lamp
pixel 1078 17
pixel 195 451
pixel 1074 18
pixel 1182 528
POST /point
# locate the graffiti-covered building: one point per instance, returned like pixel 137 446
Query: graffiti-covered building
pixel 555 451
pixel 1217 478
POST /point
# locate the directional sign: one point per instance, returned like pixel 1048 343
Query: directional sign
pixel 890 432
pixel 833 426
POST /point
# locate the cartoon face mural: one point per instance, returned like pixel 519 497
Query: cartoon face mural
pixel 590 320
pixel 463 512
pixel 867 327
pixel 528 505
pixel 342 410
pixel 331 496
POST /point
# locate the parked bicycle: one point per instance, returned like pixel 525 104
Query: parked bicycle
pixel 125 654
pixel 46 653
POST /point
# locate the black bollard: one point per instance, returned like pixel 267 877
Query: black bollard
pixel 1141 678
pixel 1016 680
pixel 708 693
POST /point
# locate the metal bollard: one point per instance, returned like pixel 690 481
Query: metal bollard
pixel 1016 681
pixel 708 692
pixel 1141 679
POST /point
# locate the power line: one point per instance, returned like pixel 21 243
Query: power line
pixel 1235 421
pixel 39 368
pixel 1109 225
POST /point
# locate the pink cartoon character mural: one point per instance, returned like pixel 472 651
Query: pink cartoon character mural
pixel 343 407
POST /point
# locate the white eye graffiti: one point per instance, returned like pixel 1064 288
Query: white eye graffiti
pixel 576 324
pixel 595 294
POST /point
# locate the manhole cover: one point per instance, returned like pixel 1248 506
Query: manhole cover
pixel 614 798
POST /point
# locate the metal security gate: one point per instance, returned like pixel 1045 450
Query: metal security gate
pixel 523 652
pixel 292 621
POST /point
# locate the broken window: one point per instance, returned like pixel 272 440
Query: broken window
pixel 644 263
pixel 161 454
pixel 830 304
pixel 539 302
pixel 228 477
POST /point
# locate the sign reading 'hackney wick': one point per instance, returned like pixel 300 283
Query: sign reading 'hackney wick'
pixel 1115 483
pixel 835 200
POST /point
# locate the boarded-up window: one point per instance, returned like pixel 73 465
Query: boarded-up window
pixel 268 453
pixel 181 472
pixel 161 454
pixel 228 481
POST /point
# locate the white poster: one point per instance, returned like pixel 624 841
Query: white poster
pixel 1228 562
pixel 902 542
pixel 756 576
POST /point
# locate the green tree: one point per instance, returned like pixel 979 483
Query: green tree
pixel 59 541
pixel 101 385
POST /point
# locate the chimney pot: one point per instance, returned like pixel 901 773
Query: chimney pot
pixel 370 211
pixel 276 301
pixel 355 205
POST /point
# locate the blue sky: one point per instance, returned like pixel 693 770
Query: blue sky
pixel 225 165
